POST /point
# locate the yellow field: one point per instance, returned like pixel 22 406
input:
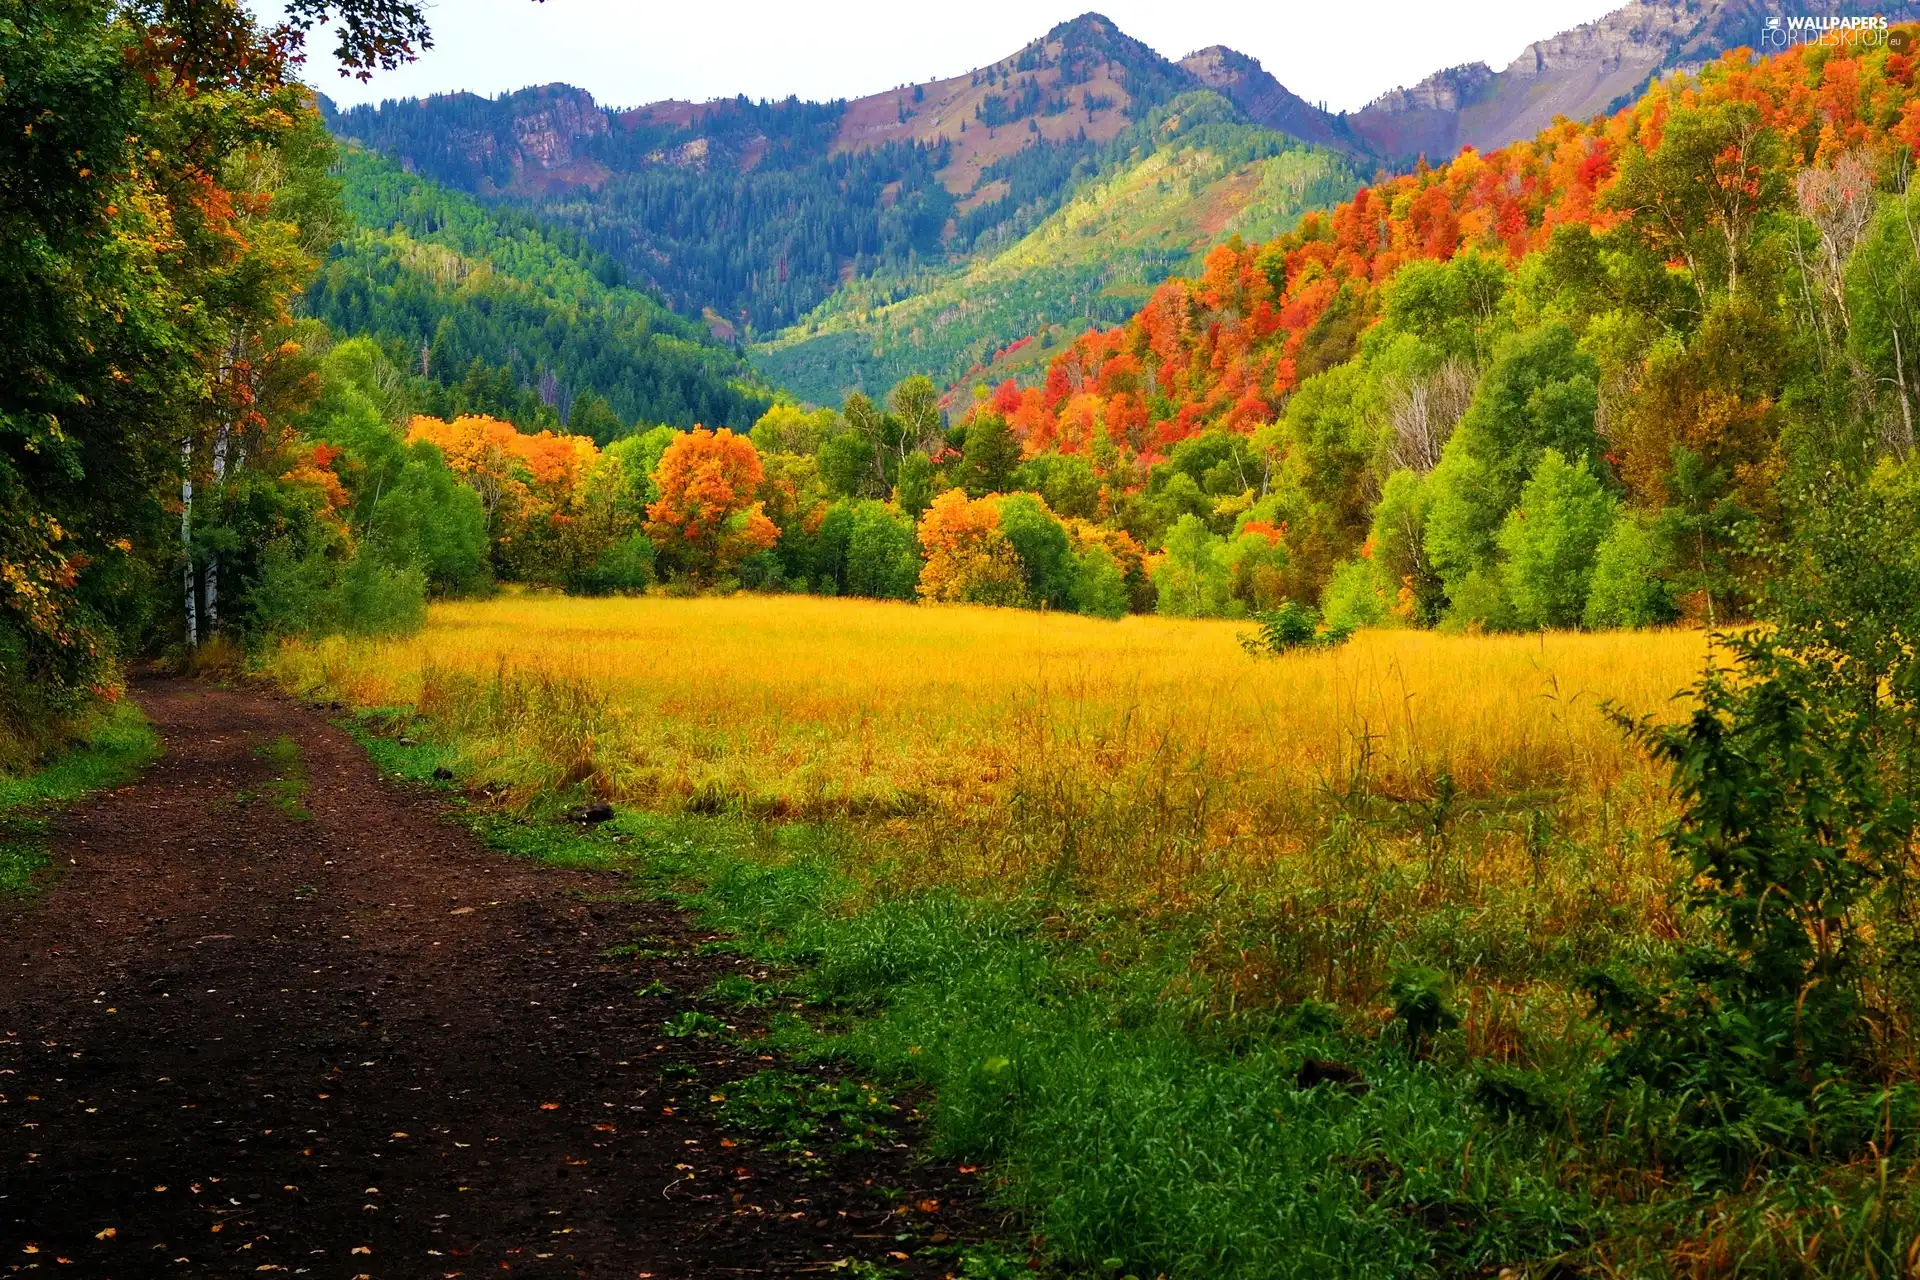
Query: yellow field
pixel 1149 753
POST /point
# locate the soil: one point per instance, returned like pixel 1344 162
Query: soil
pixel 352 1042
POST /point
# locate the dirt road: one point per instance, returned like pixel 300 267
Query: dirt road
pixel 312 1028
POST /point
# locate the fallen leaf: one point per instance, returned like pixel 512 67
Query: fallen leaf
pixel 549 1106
pixel 398 1134
pixel 107 1234
pixel 361 1248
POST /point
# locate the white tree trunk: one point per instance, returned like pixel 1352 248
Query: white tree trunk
pixel 186 540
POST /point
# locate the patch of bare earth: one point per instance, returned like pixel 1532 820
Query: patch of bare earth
pixel 234 1039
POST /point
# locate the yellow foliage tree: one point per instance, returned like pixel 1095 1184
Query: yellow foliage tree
pixel 968 558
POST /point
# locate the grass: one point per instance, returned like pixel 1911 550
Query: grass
pixel 1108 888
pixel 287 788
pixel 116 748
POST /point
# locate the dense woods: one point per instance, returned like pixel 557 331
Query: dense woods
pixel 500 313
pixel 1568 382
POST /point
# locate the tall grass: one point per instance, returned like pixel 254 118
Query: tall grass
pixel 1459 795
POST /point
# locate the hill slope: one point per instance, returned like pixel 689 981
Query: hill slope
pixel 467 294
pixel 753 213
pixel 1191 176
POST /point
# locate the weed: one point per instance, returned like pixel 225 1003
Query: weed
pixel 691 1022
pixel 794 1113
pixel 287 788
pixel 740 991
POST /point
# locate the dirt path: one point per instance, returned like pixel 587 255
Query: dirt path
pixel 238 1040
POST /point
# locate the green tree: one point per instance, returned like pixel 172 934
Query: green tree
pixel 1099 584
pixel 1046 556
pixel 882 554
pixel 913 487
pixel 1541 393
pixel 1192 576
pixel 991 454
pixel 593 417
pixel 1548 542
pixel 1629 588
pixel 1067 481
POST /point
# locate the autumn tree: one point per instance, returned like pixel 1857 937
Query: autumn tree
pixel 968 558
pixel 708 518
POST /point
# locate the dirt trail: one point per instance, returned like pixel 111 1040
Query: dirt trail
pixel 234 1039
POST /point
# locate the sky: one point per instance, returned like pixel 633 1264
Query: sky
pixel 629 52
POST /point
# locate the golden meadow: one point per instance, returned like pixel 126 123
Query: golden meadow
pixel 1437 790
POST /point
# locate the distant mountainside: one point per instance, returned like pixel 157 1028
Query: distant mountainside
pixel 503 314
pixel 1191 174
pixel 752 213
pixel 848 239
pixel 1592 69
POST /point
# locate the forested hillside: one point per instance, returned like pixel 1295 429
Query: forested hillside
pixel 1180 179
pixel 1567 381
pixel 753 214
pixel 502 313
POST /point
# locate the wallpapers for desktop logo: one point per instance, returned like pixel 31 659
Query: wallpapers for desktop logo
pixel 1778 33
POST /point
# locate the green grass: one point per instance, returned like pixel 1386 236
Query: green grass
pixel 119 745
pixel 287 788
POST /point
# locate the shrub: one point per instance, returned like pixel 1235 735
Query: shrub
pixel 625 566
pixel 1291 626
pixel 1798 775
pixel 1352 598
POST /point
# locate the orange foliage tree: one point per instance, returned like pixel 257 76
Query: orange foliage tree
pixel 968 559
pixel 1229 348
pixel 546 518
pixel 707 519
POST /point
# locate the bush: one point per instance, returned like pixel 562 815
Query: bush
pixel 1291 626
pixel 1479 600
pixel 1798 775
pixel 624 567
pixel 308 594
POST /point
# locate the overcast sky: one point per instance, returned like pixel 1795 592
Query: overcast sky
pixel 627 52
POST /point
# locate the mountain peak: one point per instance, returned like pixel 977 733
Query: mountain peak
pixel 1251 87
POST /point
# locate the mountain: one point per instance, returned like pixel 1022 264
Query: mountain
pixel 1266 101
pixel 752 213
pixel 1190 175
pixel 1590 70
pixel 507 315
